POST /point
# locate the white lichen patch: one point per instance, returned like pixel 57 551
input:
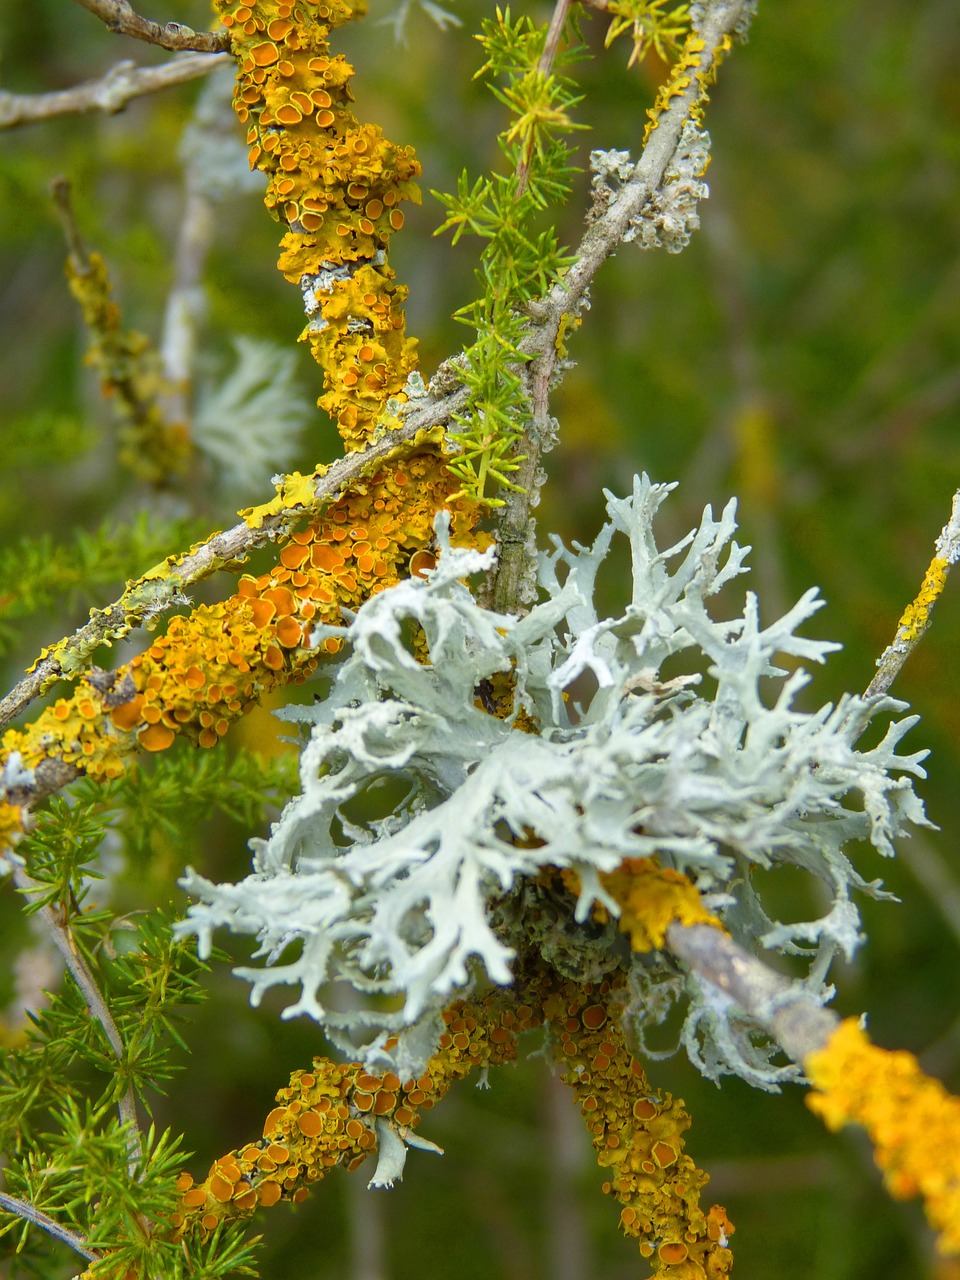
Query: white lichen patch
pixel 716 773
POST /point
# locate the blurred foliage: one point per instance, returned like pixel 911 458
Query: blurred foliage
pixel 803 353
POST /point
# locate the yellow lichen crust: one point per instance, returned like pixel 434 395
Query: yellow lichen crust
pixel 131 377
pixel 215 664
pixel 11 823
pixel 911 1119
pixel 917 615
pixel 651 898
pixel 685 70
pixel 337 185
pixel 636 1133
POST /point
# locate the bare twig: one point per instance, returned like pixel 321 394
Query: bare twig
pixel 916 617
pixel 569 1254
pixel 62 939
pixel 211 133
pixel 122 20
pixel 185 303
pixel 933 871
pixel 60 190
pixel 110 93
pixel 782 1007
pixel 24 1210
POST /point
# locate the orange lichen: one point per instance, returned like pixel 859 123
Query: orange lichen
pixel 911 1119
pixel 916 616
pixel 11 823
pixel 215 664
pixel 335 183
pixel 636 1133
pixel 326 1118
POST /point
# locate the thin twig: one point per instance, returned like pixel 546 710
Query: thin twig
pixel 24 1210
pixel 122 20
pixel 110 93
pixel 933 871
pixel 185 304
pixel 781 1006
pixel 60 190
pixel 916 617
pixel 62 939
pixel 544 68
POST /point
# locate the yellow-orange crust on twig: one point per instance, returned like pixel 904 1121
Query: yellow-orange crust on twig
pixel 327 1116
pixel 911 1119
pixel 337 186
pixel 650 898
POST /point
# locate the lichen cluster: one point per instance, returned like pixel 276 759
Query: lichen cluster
pixel 650 898
pixel 337 185
pixel 708 777
pixel 214 664
pixel 911 1119
pixel 636 1133
pixel 339 1113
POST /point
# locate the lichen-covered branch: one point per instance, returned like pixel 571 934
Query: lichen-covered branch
pixel 680 101
pixel 336 185
pixel 912 1121
pixel 916 617
pixel 163 586
pixel 121 19
pixel 910 1118
pixel 110 93
pixel 339 1114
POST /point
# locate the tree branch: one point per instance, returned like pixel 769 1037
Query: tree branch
pixel 110 93
pixel 163 587
pixel 121 20
pixel 152 594
pixel 916 617
pixel 602 238
pixel 781 1006
pixel 24 1210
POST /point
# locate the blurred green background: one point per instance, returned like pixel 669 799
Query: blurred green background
pixel 803 353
